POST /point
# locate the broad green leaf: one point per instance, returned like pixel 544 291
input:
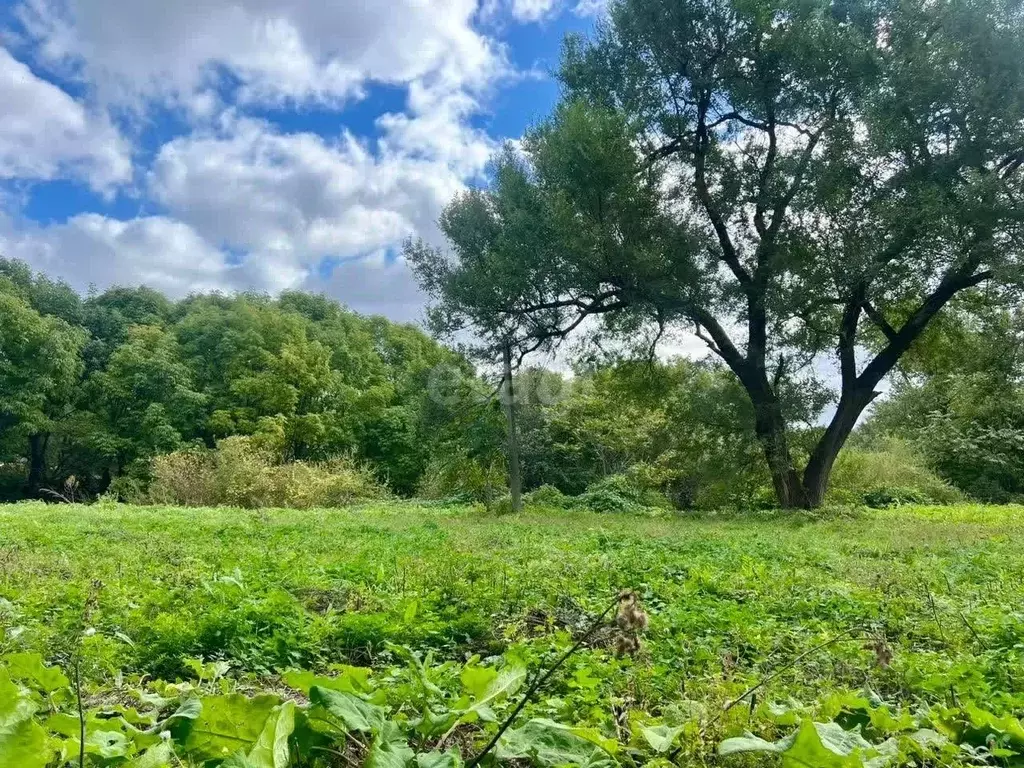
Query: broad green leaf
pixel 237 760
pixel 548 743
pixel 23 744
pixel 31 669
pixel 107 744
pixel 817 745
pixel 156 757
pixel 350 679
pixel 489 689
pixel 389 748
pixel 476 680
pixel 928 739
pixel 271 748
pixel 348 709
pixel 189 709
pixel 228 724
pixel 449 759
pixel 22 739
pixel 661 737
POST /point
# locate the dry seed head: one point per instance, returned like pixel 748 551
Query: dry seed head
pixel 631 617
pixel 630 621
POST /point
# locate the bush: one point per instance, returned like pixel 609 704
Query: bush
pixel 885 497
pixel 891 474
pixel 548 496
pixel 622 493
pixel 638 485
pixel 462 477
pixel 240 474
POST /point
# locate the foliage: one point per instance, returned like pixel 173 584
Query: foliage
pixel 94 388
pixel 963 403
pixel 927 657
pixel 241 473
pixel 460 476
pixel 887 474
pixel 787 179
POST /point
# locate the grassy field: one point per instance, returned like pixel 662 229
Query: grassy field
pixel 930 668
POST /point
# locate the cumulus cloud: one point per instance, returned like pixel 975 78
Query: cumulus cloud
pixel 376 284
pixel 294 199
pixel 243 203
pixel 278 50
pixel 46 134
pixel 156 251
pixel 532 10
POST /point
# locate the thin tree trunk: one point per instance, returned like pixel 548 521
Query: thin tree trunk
pixel 36 462
pixel 515 479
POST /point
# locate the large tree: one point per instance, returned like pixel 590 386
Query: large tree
pixel 786 178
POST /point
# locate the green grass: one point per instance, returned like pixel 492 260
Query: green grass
pixel 731 600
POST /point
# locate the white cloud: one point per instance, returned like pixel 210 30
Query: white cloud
pixel 591 7
pixel 532 10
pixel 156 251
pixel 45 134
pixel 279 50
pixel 293 199
pixel 243 204
pixel 373 285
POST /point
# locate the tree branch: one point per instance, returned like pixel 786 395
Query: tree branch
pixel 729 253
pixel 879 320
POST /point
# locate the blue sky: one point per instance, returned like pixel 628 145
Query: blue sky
pixel 254 144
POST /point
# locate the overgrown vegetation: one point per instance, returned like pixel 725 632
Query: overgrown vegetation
pixel 404 635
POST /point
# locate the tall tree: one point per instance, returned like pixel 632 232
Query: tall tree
pixel 491 235
pixel 784 177
pixel 39 367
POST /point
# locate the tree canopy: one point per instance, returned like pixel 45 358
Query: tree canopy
pixel 789 179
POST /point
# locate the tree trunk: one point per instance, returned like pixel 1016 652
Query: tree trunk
pixel 515 479
pixel 770 426
pixel 36 463
pixel 823 457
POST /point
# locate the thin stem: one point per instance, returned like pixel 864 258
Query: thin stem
pixel 81 712
pixel 540 682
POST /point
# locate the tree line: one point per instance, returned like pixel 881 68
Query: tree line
pixel 96 389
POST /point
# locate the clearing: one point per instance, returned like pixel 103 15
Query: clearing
pixel 931 596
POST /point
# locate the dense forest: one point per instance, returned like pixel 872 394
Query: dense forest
pixel 127 393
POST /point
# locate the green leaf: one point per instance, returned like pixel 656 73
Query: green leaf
pixel 351 680
pixel 31 669
pixel 449 759
pixel 228 724
pixel 488 687
pixel 817 745
pixel 661 737
pixel 476 680
pixel 155 757
pixel 237 760
pixel 271 748
pixel 389 749
pixel 22 739
pixel 548 743
pixel 347 708
pixel 108 744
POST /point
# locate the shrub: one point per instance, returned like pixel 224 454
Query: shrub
pixel 639 485
pixel 240 474
pixel 893 473
pixel 884 497
pixel 502 505
pixel 548 496
pixel 622 493
pixel 462 477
